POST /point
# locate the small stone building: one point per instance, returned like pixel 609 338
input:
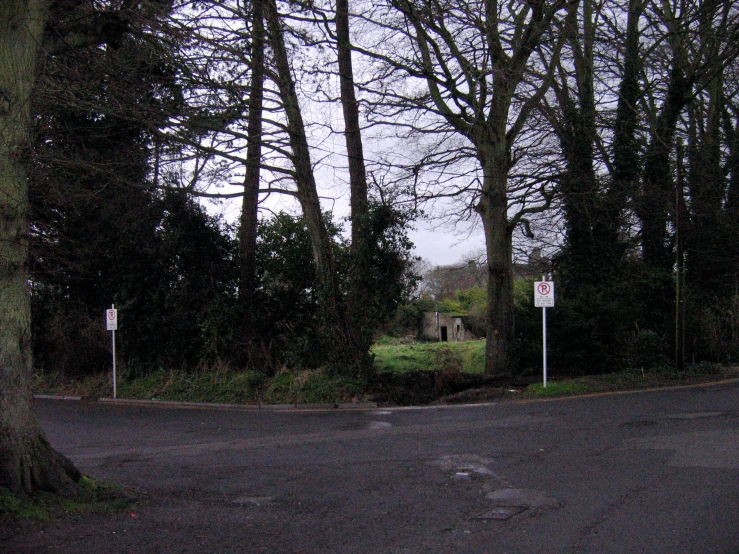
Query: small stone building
pixel 445 327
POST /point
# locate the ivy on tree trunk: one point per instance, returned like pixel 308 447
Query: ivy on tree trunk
pixel 27 461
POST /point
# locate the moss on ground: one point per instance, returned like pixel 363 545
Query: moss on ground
pixel 98 497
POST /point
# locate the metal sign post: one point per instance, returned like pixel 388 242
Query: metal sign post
pixel 544 298
pixel 544 342
pixel 111 324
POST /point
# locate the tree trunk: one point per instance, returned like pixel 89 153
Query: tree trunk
pixel 359 310
pixel 657 195
pixel 593 251
pixel 626 156
pixel 27 462
pixel 307 192
pixel 710 268
pixel 731 126
pixel 249 208
pixel 493 209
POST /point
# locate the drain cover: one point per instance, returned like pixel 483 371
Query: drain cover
pixel 501 513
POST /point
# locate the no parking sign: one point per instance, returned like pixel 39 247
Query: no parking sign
pixel 544 298
pixel 544 294
pixel 111 319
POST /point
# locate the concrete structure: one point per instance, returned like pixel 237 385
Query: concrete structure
pixel 445 327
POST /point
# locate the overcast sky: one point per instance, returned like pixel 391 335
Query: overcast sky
pixel 444 247
pixel 438 245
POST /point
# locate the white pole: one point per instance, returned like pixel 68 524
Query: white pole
pixel 544 337
pixel 112 307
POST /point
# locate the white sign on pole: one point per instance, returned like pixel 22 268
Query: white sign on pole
pixel 544 298
pixel 111 323
pixel 111 319
pixel 544 294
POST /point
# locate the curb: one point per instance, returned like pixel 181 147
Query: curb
pixel 246 407
pixel 369 405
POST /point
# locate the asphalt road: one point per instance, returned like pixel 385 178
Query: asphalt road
pixel 641 472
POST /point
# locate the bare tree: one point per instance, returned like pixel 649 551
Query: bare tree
pixel 485 67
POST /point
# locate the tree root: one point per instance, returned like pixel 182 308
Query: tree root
pixel 29 464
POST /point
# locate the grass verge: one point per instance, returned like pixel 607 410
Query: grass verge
pixel 557 388
pixel 412 363
pixel 634 379
pixel 218 386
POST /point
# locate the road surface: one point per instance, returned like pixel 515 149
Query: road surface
pixel 637 472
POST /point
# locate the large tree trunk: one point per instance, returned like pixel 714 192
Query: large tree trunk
pixel 27 462
pixel 493 209
pixel 359 310
pixel 593 248
pixel 731 128
pixel 579 188
pixel 307 192
pixel 626 154
pixel 249 208
pixel 657 198
pixel 710 267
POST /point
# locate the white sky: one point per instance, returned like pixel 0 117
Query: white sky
pixel 438 245
pixel 445 247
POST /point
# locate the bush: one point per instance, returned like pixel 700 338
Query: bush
pixel 72 342
pixel 596 327
pixel 646 350
pixel 716 327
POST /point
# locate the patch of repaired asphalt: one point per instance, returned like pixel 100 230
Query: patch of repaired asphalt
pixel 505 500
pixel 687 416
pixel 253 500
pixel 696 415
pixel 501 513
pixel 533 500
pixel 711 449
pixel 460 463
pixel 376 425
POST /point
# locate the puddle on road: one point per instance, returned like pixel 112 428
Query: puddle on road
pixel 640 423
pixel 686 416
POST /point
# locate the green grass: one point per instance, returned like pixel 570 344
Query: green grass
pixel 400 358
pixel 97 497
pixel 217 386
pixel 556 388
pixel 633 379
pixel 223 385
